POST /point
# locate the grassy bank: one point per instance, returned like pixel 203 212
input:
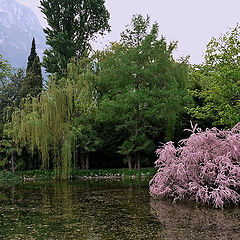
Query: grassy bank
pixel 6 176
pixel 28 175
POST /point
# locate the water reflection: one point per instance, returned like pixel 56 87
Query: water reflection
pixel 77 210
pixel 188 221
pixel 106 210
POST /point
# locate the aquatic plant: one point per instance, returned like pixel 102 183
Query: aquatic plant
pixel 204 167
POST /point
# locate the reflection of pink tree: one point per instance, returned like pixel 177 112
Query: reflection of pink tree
pixel 183 221
pixel 205 167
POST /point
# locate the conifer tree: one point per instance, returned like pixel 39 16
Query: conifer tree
pixel 72 24
pixel 33 81
pixel 32 56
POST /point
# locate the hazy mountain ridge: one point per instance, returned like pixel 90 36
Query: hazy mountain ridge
pixel 18 25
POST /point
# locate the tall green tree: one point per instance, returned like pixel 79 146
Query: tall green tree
pixel 72 24
pixel 33 55
pixel 220 73
pixel 10 84
pixel 33 81
pixel 144 89
pixel 5 68
pixel 86 137
pixel 5 73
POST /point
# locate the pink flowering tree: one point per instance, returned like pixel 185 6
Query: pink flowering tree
pixel 205 168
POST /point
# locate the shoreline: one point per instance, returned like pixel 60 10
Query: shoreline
pixel 78 174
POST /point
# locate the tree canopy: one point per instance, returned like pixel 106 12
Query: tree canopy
pixel 144 89
pixel 72 24
pixel 220 74
pixel 10 85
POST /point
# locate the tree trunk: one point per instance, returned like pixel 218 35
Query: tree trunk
pixel 13 158
pixel 170 128
pixel 135 164
pixel 87 161
pixel 129 161
pixel 75 155
pixel 38 159
pixel 82 160
pixel 138 160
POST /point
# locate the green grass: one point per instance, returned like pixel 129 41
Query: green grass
pixel 6 176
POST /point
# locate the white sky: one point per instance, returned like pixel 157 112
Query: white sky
pixel 191 22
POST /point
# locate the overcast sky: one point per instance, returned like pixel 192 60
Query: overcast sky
pixel 191 22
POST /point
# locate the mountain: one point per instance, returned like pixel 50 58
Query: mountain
pixel 18 26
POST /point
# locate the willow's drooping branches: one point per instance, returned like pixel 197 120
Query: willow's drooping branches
pixel 44 122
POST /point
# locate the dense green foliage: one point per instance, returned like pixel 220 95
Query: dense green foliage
pixel 4 68
pixel 219 79
pixel 113 107
pixel 15 86
pixel 5 86
pixel 44 122
pixel 144 90
pixel 10 85
pixel 72 24
pixel 33 81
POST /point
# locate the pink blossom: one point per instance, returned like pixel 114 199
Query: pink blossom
pixel 204 167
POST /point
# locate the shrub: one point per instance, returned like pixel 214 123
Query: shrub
pixel 205 168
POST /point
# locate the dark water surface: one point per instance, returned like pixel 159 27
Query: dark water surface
pixel 106 209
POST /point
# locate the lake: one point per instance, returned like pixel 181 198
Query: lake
pixel 106 209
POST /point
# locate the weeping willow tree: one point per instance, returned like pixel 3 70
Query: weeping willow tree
pixel 44 122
